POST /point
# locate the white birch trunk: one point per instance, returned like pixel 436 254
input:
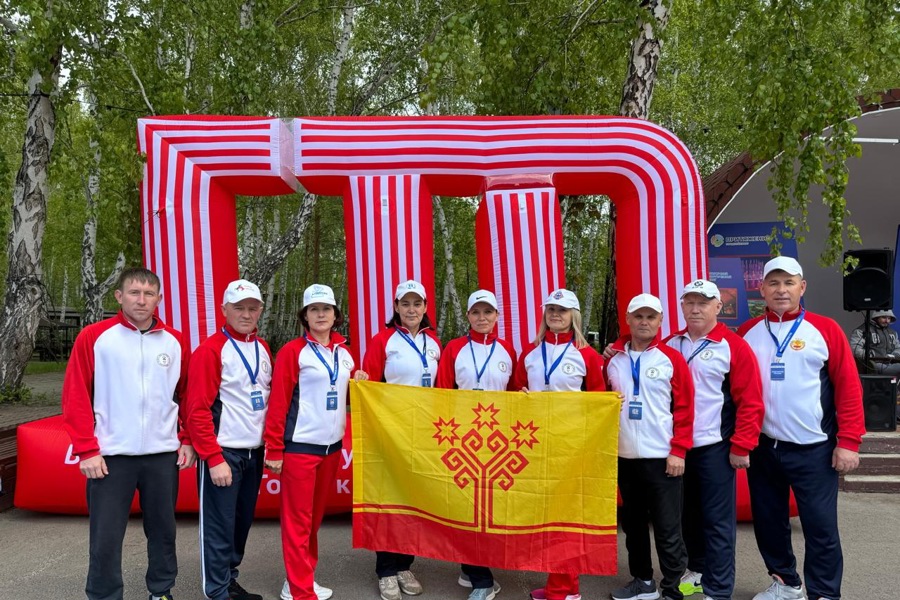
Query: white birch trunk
pixel 64 302
pixel 340 56
pixel 25 245
pixel 453 315
pixel 637 94
pixel 270 285
pixel 265 266
pixel 92 291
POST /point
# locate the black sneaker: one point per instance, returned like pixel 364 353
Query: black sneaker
pixel 163 597
pixel 236 592
pixel 636 590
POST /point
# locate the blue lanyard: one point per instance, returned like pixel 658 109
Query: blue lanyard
pixel 253 374
pixel 421 352
pixel 479 373
pixel 555 364
pixel 698 350
pixel 782 346
pixel 635 372
pixel 332 373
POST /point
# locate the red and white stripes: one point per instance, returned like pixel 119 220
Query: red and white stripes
pixel 390 239
pixel 518 236
pixel 646 170
pixel 194 166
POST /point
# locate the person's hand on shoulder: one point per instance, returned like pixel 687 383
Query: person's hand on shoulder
pixel 608 352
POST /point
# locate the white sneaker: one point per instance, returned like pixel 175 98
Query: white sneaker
pixel 779 591
pixel 690 583
pixel 322 593
pixel 389 588
pixel 464 580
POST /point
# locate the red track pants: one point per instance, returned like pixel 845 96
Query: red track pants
pixel 305 483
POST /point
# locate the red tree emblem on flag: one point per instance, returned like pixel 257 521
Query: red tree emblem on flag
pixel 485 471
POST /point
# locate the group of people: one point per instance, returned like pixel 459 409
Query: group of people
pixel 782 399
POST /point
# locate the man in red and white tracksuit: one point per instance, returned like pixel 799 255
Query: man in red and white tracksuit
pixel 728 414
pixel 230 379
pixel 122 402
pixel 811 434
pixel 655 433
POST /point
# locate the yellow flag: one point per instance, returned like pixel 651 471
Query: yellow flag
pixel 500 479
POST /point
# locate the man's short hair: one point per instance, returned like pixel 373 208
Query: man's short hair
pixel 139 274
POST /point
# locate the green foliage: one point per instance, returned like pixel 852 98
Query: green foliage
pixel 765 76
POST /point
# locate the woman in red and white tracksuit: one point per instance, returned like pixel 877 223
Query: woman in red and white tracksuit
pixel 478 361
pixel 304 431
pixel 406 352
pixel 560 361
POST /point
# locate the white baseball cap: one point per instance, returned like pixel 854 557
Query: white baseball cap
pixel 482 296
pixel 410 287
pixel 783 263
pixel 563 297
pixel 703 287
pixel 645 301
pixel 240 289
pixel 318 293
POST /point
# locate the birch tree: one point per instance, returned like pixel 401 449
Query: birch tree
pixel 41 34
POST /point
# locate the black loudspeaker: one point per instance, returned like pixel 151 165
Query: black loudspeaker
pixel 880 402
pixel 870 286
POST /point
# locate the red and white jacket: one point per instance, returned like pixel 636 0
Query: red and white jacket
pixel 457 368
pixel 390 358
pixel 219 410
pixel 123 390
pixel 821 395
pixel 728 402
pixel 298 420
pixel 666 396
pixel 580 369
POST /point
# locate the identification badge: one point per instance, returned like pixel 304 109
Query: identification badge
pixel 331 400
pixel 777 372
pixel 426 379
pixel 257 400
pixel 477 389
pixel 635 412
pixel 546 388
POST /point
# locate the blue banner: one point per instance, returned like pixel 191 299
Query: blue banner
pixel 737 254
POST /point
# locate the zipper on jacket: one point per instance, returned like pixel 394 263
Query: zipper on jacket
pixel 143 392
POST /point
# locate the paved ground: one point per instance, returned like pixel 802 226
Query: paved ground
pixel 45 557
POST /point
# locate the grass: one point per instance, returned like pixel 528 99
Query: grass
pixel 35 367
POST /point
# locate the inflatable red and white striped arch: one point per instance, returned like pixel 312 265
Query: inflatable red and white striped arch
pixel 195 165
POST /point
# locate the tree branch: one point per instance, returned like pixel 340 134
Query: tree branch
pixel 10 27
pixel 139 82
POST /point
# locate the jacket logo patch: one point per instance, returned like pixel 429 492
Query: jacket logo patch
pixel 347 364
pixel 568 368
pixel 706 355
pixel 163 360
pixel 798 345
pixel 265 366
pixel 502 366
pixel 432 353
pixel 652 373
